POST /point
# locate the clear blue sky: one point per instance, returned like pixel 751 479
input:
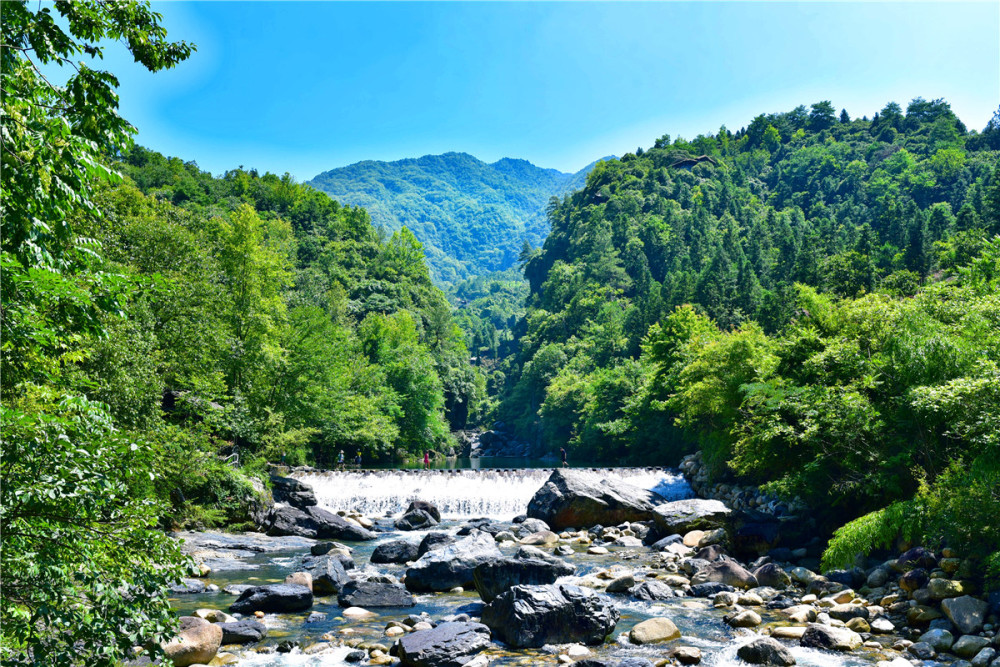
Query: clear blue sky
pixel 306 87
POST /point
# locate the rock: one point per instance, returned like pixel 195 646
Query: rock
pixel 328 575
pixel 966 612
pixel 940 589
pixel 845 612
pixel 745 619
pixel 940 640
pixel 188 587
pixel 416 520
pixel 765 651
pixel 374 594
pixel 984 657
pixel 424 506
pixel 356 612
pixel 451 566
pixel 434 541
pixel 652 590
pixel 914 579
pixel 292 491
pixel 532 616
pixel 921 615
pixel 726 572
pixel 579 498
pixel 300 579
pixel 321 548
pixel 682 516
pixel 654 630
pixel 244 631
pixel 709 590
pixel 922 651
pixel 621 584
pixel 800 613
pixel 447 645
pixel 788 632
pixel 273 598
pixel 692 538
pixel 686 655
pixel 830 638
pixel 882 626
pixel 213 615
pixel 316 523
pixel 197 641
pixel 878 578
pixel 917 557
pixel 968 646
pixel 541 537
pixel 396 551
pixel 660 545
pixel 494 577
pixel 772 575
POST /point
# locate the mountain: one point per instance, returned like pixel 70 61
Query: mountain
pixel 471 216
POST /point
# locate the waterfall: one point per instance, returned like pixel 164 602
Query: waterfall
pixel 495 493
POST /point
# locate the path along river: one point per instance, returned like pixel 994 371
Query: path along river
pixel 461 495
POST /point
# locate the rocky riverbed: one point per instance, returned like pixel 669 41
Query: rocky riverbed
pixel 595 573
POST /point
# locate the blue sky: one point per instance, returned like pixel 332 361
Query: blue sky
pixel 308 86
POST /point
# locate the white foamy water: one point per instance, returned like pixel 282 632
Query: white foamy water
pixel 498 494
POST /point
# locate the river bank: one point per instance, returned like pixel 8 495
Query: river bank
pixel 717 602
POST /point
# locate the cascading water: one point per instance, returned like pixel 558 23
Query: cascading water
pixel 498 494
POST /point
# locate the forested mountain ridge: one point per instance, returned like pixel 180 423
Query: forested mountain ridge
pixel 811 301
pixel 472 217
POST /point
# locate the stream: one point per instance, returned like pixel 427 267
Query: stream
pixel 461 495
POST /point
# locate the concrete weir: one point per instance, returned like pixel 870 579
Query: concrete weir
pixel 499 493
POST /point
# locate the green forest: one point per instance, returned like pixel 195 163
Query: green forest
pixel 471 217
pixel 813 302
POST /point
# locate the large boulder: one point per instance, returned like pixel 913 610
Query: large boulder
pixel 415 520
pixel 765 651
pixel 435 540
pixel 328 574
pixel 579 498
pixel 681 516
pixel 830 638
pixel 316 523
pixel 369 594
pixel 494 577
pixel 424 506
pixel 273 598
pixel 652 590
pixel 243 631
pixel 447 645
pixel 292 492
pixel 966 612
pixel 772 574
pixel 654 630
pixel 196 642
pixel 532 616
pixel 453 565
pixel 396 551
pixel 727 572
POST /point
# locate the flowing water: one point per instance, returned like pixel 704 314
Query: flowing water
pixel 499 494
pixel 496 493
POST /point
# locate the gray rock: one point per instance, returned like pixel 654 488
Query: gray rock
pixel 328 574
pixel 576 498
pixel 273 598
pixel 709 590
pixel 966 612
pixel 830 638
pixel 494 577
pixel 652 590
pixel 434 541
pixel 236 589
pixel 447 645
pixel 940 640
pixel 292 491
pixel 845 612
pixel 922 651
pixel 726 572
pixel 244 631
pixel 396 551
pixel 681 516
pixel 371 594
pixel 188 587
pixel 316 523
pixel 532 616
pixel 984 657
pixel 451 566
pixel 968 646
pixel 878 578
pixel 766 651
pixel 416 520
pixel 772 574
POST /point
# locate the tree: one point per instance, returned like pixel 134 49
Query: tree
pixel 822 116
pixel 85 570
